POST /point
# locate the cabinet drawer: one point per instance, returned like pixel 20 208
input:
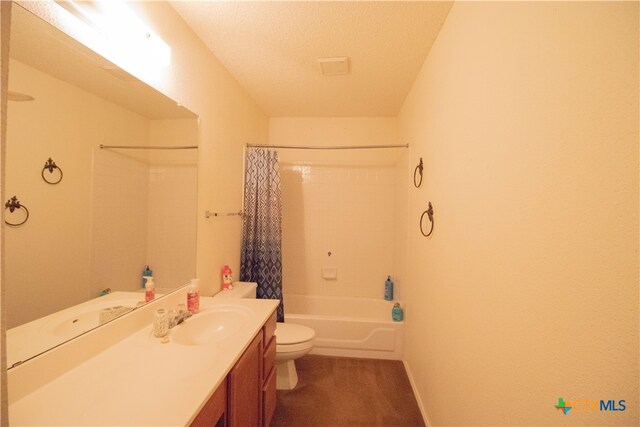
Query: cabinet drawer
pixel 269 358
pixel 269 398
pixel 269 329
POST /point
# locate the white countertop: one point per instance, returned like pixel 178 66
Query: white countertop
pixel 32 338
pixel 140 381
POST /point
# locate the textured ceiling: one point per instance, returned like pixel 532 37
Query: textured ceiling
pixel 272 48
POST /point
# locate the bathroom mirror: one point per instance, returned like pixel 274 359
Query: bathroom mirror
pixel 96 216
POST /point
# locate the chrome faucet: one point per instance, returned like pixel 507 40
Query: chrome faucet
pixel 178 316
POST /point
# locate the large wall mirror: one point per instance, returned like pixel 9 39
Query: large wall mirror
pixel 86 228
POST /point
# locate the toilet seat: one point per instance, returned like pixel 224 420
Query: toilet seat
pixel 292 341
pixel 293 348
pixel 288 334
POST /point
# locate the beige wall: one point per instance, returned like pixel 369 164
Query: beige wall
pixel 229 118
pixel 5 14
pixel 526 115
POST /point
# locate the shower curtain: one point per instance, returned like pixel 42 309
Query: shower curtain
pixel 261 254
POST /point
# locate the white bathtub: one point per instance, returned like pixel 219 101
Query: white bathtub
pixel 348 327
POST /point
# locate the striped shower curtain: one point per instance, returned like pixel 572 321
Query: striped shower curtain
pixel 261 254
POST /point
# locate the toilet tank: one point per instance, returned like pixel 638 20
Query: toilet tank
pixel 240 290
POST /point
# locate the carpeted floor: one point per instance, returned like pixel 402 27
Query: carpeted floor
pixel 336 391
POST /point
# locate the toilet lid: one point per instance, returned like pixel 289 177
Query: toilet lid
pixel 288 333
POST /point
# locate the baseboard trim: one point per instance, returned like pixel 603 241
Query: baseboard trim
pixel 425 418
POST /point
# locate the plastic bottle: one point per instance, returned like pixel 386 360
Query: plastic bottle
pixel 146 273
pixel 193 296
pixel 388 289
pixel 396 313
pixel 149 289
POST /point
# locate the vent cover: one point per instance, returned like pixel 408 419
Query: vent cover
pixel 336 66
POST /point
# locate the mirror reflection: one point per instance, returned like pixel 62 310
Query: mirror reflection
pixel 96 216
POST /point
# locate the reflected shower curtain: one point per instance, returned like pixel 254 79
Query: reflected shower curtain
pixel 261 254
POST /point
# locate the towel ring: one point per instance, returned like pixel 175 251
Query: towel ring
pixel 14 204
pixel 429 213
pixel 51 165
pixel 415 172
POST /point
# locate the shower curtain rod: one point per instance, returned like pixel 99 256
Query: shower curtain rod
pixel 327 147
pixel 151 147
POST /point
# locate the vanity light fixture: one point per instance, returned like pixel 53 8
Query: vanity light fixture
pixel 127 36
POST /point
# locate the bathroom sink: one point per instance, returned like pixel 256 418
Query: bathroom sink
pixel 211 325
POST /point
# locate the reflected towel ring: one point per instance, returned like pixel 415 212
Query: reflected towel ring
pixel 14 204
pixel 51 165
pixel 415 171
pixel 429 213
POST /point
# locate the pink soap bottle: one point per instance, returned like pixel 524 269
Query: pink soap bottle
pixel 193 296
pixel 149 289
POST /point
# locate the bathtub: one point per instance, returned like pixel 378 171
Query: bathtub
pixel 348 327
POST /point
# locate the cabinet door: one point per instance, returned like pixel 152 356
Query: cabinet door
pixel 245 387
pixel 269 398
pixel 213 413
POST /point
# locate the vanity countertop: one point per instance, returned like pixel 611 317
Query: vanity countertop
pixel 141 381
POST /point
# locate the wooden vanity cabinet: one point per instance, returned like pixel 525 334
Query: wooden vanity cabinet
pixel 247 397
pixel 269 370
pixel 215 410
pixel 252 381
pixel 245 380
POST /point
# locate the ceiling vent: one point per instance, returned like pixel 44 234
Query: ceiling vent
pixel 336 66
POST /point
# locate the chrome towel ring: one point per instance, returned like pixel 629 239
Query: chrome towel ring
pixel 429 213
pixel 14 204
pixel 51 165
pixel 418 168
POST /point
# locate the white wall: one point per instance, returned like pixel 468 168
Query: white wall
pixel 337 201
pixel 345 210
pixel 173 200
pixel 171 224
pixel 119 218
pixel 526 115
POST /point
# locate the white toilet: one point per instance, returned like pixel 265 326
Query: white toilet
pixel 292 341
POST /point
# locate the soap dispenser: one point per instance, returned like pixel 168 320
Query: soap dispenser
pixel 146 273
pixel 388 289
pixel 193 296
pixel 149 289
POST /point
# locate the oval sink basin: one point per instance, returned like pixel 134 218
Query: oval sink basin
pixel 211 325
